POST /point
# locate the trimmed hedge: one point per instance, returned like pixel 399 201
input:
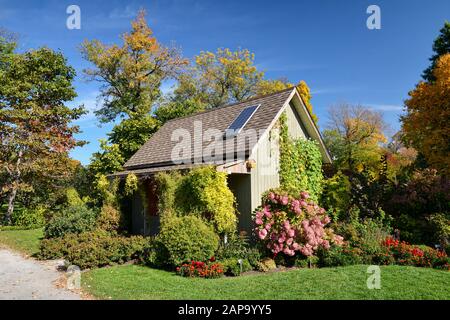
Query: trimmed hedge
pixel 183 239
pixel 93 249
pixel 72 219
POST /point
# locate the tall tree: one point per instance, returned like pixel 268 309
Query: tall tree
pixel 220 78
pixel 228 76
pixel 131 77
pixel 131 74
pixel 270 86
pixel 36 134
pixel 132 133
pixel 426 123
pixel 354 136
pixel 441 46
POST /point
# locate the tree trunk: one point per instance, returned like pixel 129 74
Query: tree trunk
pixel 13 193
pixel 11 198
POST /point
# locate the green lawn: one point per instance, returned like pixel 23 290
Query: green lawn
pixel 25 241
pixel 139 282
pixel 397 282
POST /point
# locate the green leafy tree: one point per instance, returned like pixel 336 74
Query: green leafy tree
pixel 132 133
pixel 108 160
pixel 441 46
pixel 220 78
pixel 226 76
pixel 174 108
pixel 305 93
pixel 36 134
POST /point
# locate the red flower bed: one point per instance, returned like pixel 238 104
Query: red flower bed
pixel 201 269
pixel 407 254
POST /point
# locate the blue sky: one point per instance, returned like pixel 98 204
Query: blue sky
pixel 324 42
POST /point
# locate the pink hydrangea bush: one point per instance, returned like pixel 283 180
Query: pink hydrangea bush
pixel 293 224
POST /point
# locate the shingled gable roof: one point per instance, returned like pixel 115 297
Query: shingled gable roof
pixel 156 153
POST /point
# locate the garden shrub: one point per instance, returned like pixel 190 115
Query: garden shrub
pixel 306 262
pixel 73 198
pixel 368 191
pixel 29 218
pixel 339 256
pixel 184 239
pixel 233 268
pixel 440 227
pixel 238 248
pixel 204 191
pixel 366 235
pixel 412 202
pixel 109 218
pixel 72 219
pixel 54 248
pixel 289 224
pixel 266 265
pixel 335 196
pixel 96 248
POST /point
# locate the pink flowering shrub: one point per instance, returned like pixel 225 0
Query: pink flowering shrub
pixel 293 224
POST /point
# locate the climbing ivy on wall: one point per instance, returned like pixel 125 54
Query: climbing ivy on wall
pixel 202 192
pixel 300 163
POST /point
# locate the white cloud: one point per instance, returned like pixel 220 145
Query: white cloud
pixel 125 13
pixel 331 90
pixel 90 104
pixel 385 107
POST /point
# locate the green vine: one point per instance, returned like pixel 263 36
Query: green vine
pixel 300 163
pixel 131 184
pixel 202 192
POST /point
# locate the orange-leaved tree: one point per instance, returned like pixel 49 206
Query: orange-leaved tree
pixel 426 123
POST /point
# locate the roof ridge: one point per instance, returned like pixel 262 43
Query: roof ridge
pixel 233 104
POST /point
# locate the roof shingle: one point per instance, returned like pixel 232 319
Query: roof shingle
pixel 157 151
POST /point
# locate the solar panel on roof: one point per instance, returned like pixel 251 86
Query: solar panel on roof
pixel 241 120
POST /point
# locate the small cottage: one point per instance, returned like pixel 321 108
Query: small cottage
pixel 241 139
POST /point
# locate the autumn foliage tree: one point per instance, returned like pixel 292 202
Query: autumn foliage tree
pixel 354 135
pixel 219 78
pixel 426 123
pixel 36 133
pixel 441 46
pixel 226 76
pixel 131 76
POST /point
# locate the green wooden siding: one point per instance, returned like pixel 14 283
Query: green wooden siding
pixel 267 156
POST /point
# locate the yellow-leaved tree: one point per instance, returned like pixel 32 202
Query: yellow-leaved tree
pixel 354 137
pixel 271 86
pixel 426 124
pixel 131 74
pixel 226 76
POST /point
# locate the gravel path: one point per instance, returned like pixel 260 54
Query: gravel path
pixel 27 279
